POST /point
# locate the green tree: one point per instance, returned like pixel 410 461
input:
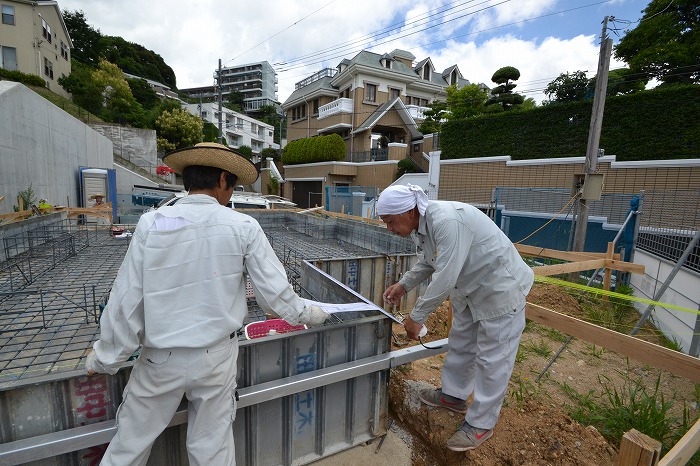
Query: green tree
pixel 86 39
pixel 666 43
pixel 503 95
pixel 234 101
pixel 465 102
pixel 433 117
pixel 118 101
pixel 177 128
pixel 137 60
pixel 81 84
pixel 246 151
pixel 622 81
pixel 568 87
pixel 406 166
pixel 270 152
pixel 143 93
pixel 268 114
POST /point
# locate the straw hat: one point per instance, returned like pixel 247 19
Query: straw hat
pixel 96 195
pixel 211 154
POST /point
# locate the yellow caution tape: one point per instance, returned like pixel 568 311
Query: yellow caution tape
pixel 600 291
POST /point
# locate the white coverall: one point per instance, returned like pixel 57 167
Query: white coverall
pixel 180 295
pixel 474 263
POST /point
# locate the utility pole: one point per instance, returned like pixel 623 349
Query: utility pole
pixel 592 150
pixel 218 85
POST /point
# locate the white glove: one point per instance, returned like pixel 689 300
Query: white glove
pixel 91 363
pixel 317 316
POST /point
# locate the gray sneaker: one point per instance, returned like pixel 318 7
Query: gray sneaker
pixel 435 397
pixel 468 438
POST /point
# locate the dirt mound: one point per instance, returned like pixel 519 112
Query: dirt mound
pixel 534 428
pixel 529 434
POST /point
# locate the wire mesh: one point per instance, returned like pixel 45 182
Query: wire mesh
pixel 668 223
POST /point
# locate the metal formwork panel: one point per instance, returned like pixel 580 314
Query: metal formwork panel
pixel 311 424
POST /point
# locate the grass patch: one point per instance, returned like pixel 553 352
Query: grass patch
pixel 539 347
pixel 630 406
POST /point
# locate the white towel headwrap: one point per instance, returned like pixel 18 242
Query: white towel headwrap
pixel 398 199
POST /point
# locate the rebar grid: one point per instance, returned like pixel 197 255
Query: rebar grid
pixel 47 325
pixel 49 320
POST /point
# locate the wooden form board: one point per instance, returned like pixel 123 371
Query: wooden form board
pixel 686 447
pixel 675 362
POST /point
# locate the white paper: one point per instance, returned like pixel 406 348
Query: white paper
pixel 333 308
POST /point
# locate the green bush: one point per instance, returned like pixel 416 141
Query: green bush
pixel 316 149
pixel 24 78
pixel 657 124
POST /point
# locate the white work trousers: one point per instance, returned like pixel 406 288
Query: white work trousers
pixel 158 381
pixel 480 360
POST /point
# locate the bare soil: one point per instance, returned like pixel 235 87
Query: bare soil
pixel 534 427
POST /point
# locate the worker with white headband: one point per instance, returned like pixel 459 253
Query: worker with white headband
pixel 471 261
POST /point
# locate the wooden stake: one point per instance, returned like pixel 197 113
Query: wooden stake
pixel 638 449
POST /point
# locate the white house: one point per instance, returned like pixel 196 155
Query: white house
pixel 238 129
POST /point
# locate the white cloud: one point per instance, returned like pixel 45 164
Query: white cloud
pixel 308 35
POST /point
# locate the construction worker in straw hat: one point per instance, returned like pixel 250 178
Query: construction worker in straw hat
pixel 471 261
pixel 179 296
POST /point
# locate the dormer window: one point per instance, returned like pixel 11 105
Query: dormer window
pixel 386 63
pixel 453 77
pixel 426 72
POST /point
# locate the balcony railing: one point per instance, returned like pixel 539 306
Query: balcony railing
pixel 372 155
pixel 416 112
pixel 342 105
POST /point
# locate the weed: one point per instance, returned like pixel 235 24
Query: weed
pixel 554 334
pixel 524 390
pixel 630 406
pixel 540 347
pixel 595 352
pixel 28 198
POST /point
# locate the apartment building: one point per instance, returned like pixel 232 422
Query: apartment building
pixel 256 81
pixel 34 40
pixel 238 129
pixel 373 101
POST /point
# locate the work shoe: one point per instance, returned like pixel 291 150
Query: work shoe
pixel 435 397
pixel 468 438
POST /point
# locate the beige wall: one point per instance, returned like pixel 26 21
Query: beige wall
pixel 27 31
pixel 473 181
pixel 377 174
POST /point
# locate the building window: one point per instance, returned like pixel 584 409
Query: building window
pixel 8 58
pixel 370 92
pixel 8 15
pixel 48 68
pixel 315 106
pixel 394 93
pixel 426 72
pixel 64 50
pixel 46 30
pixel 299 112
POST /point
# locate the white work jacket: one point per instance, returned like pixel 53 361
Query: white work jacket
pixel 182 282
pixel 470 259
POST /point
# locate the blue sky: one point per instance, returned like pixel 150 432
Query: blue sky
pixel 542 38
